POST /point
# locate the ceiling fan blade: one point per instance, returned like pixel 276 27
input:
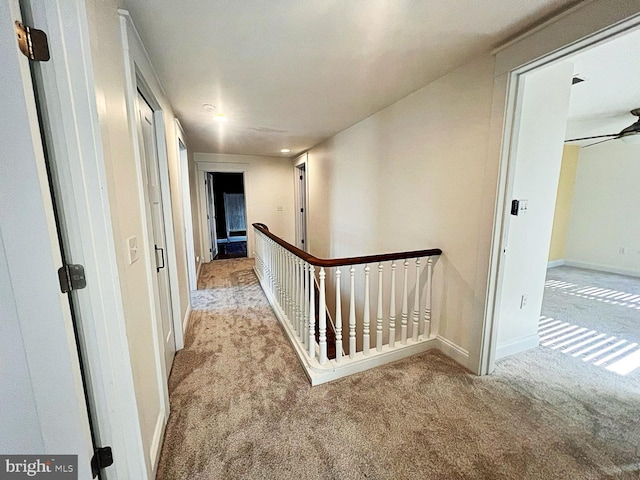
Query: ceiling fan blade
pixel 591 138
pixel 601 141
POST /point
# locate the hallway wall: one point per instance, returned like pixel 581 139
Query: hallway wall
pixel 268 186
pixel 411 177
pixel 603 213
pixel 119 143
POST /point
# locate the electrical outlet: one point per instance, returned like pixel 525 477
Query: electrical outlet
pixel 622 251
pixel 134 254
pixel 523 301
pixel 280 208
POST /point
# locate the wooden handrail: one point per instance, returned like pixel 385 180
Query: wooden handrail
pixel 339 262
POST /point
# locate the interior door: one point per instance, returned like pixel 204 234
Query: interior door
pixel 534 171
pixel 211 215
pixel 42 405
pixel 301 208
pixel 158 246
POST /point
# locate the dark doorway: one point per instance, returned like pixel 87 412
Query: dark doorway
pixel 230 214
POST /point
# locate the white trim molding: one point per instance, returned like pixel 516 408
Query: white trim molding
pixel 517 345
pixel 630 272
pixel 556 263
pixel 451 350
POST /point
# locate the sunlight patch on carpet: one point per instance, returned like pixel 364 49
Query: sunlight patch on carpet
pixel 595 348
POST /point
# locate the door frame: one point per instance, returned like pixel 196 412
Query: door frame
pixel 510 80
pixel 141 76
pixel 301 230
pixel 221 167
pixel 151 228
pixel 70 95
pixel 183 158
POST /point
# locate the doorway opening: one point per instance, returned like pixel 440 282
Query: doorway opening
pixel 546 108
pixel 186 209
pixel 565 320
pixel 228 224
pixel 301 206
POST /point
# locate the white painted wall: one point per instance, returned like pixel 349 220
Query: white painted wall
pixel 426 172
pixel 604 209
pixel 119 143
pixel 268 185
pixel 411 177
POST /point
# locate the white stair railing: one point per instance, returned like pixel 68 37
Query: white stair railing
pixel 297 286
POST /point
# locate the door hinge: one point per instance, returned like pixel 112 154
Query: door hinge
pixel 71 278
pixel 102 458
pixel 302 240
pixel 32 42
pixel 300 177
pixel 302 210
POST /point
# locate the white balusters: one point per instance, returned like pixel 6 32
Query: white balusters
pixel 301 303
pixel 415 327
pixel 405 304
pixel 338 317
pixel 365 320
pixel 427 301
pixel 296 294
pixel 379 312
pixel 352 313
pixel 302 333
pixel 312 312
pixel 392 307
pixel 322 318
pixel 305 306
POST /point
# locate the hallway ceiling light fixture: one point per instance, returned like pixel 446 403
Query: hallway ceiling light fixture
pixel 220 117
pixel 285 150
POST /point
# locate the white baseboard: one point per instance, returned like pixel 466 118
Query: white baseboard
pixel 156 440
pixel 603 268
pixel 185 320
pixel 451 350
pixel 556 263
pixel 198 271
pixel 517 345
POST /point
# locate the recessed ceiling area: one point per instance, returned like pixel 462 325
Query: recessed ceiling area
pixel 601 104
pixel 295 72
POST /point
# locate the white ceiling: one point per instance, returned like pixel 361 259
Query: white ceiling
pixel 600 105
pixel 291 73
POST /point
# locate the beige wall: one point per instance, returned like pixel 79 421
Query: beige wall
pixel 128 217
pixel 604 215
pixel 268 185
pixel 410 177
pixel 563 202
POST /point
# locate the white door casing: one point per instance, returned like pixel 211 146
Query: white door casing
pixel 158 245
pixel 70 93
pixel 186 208
pixel 587 26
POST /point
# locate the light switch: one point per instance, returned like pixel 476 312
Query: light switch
pixel 132 243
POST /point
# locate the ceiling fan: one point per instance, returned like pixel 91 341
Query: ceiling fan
pixel 631 133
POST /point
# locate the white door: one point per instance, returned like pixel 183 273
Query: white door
pixel 211 216
pixel 43 404
pixel 158 247
pixel 301 208
pixel 534 166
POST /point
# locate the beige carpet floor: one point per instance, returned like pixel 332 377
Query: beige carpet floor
pixel 241 408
